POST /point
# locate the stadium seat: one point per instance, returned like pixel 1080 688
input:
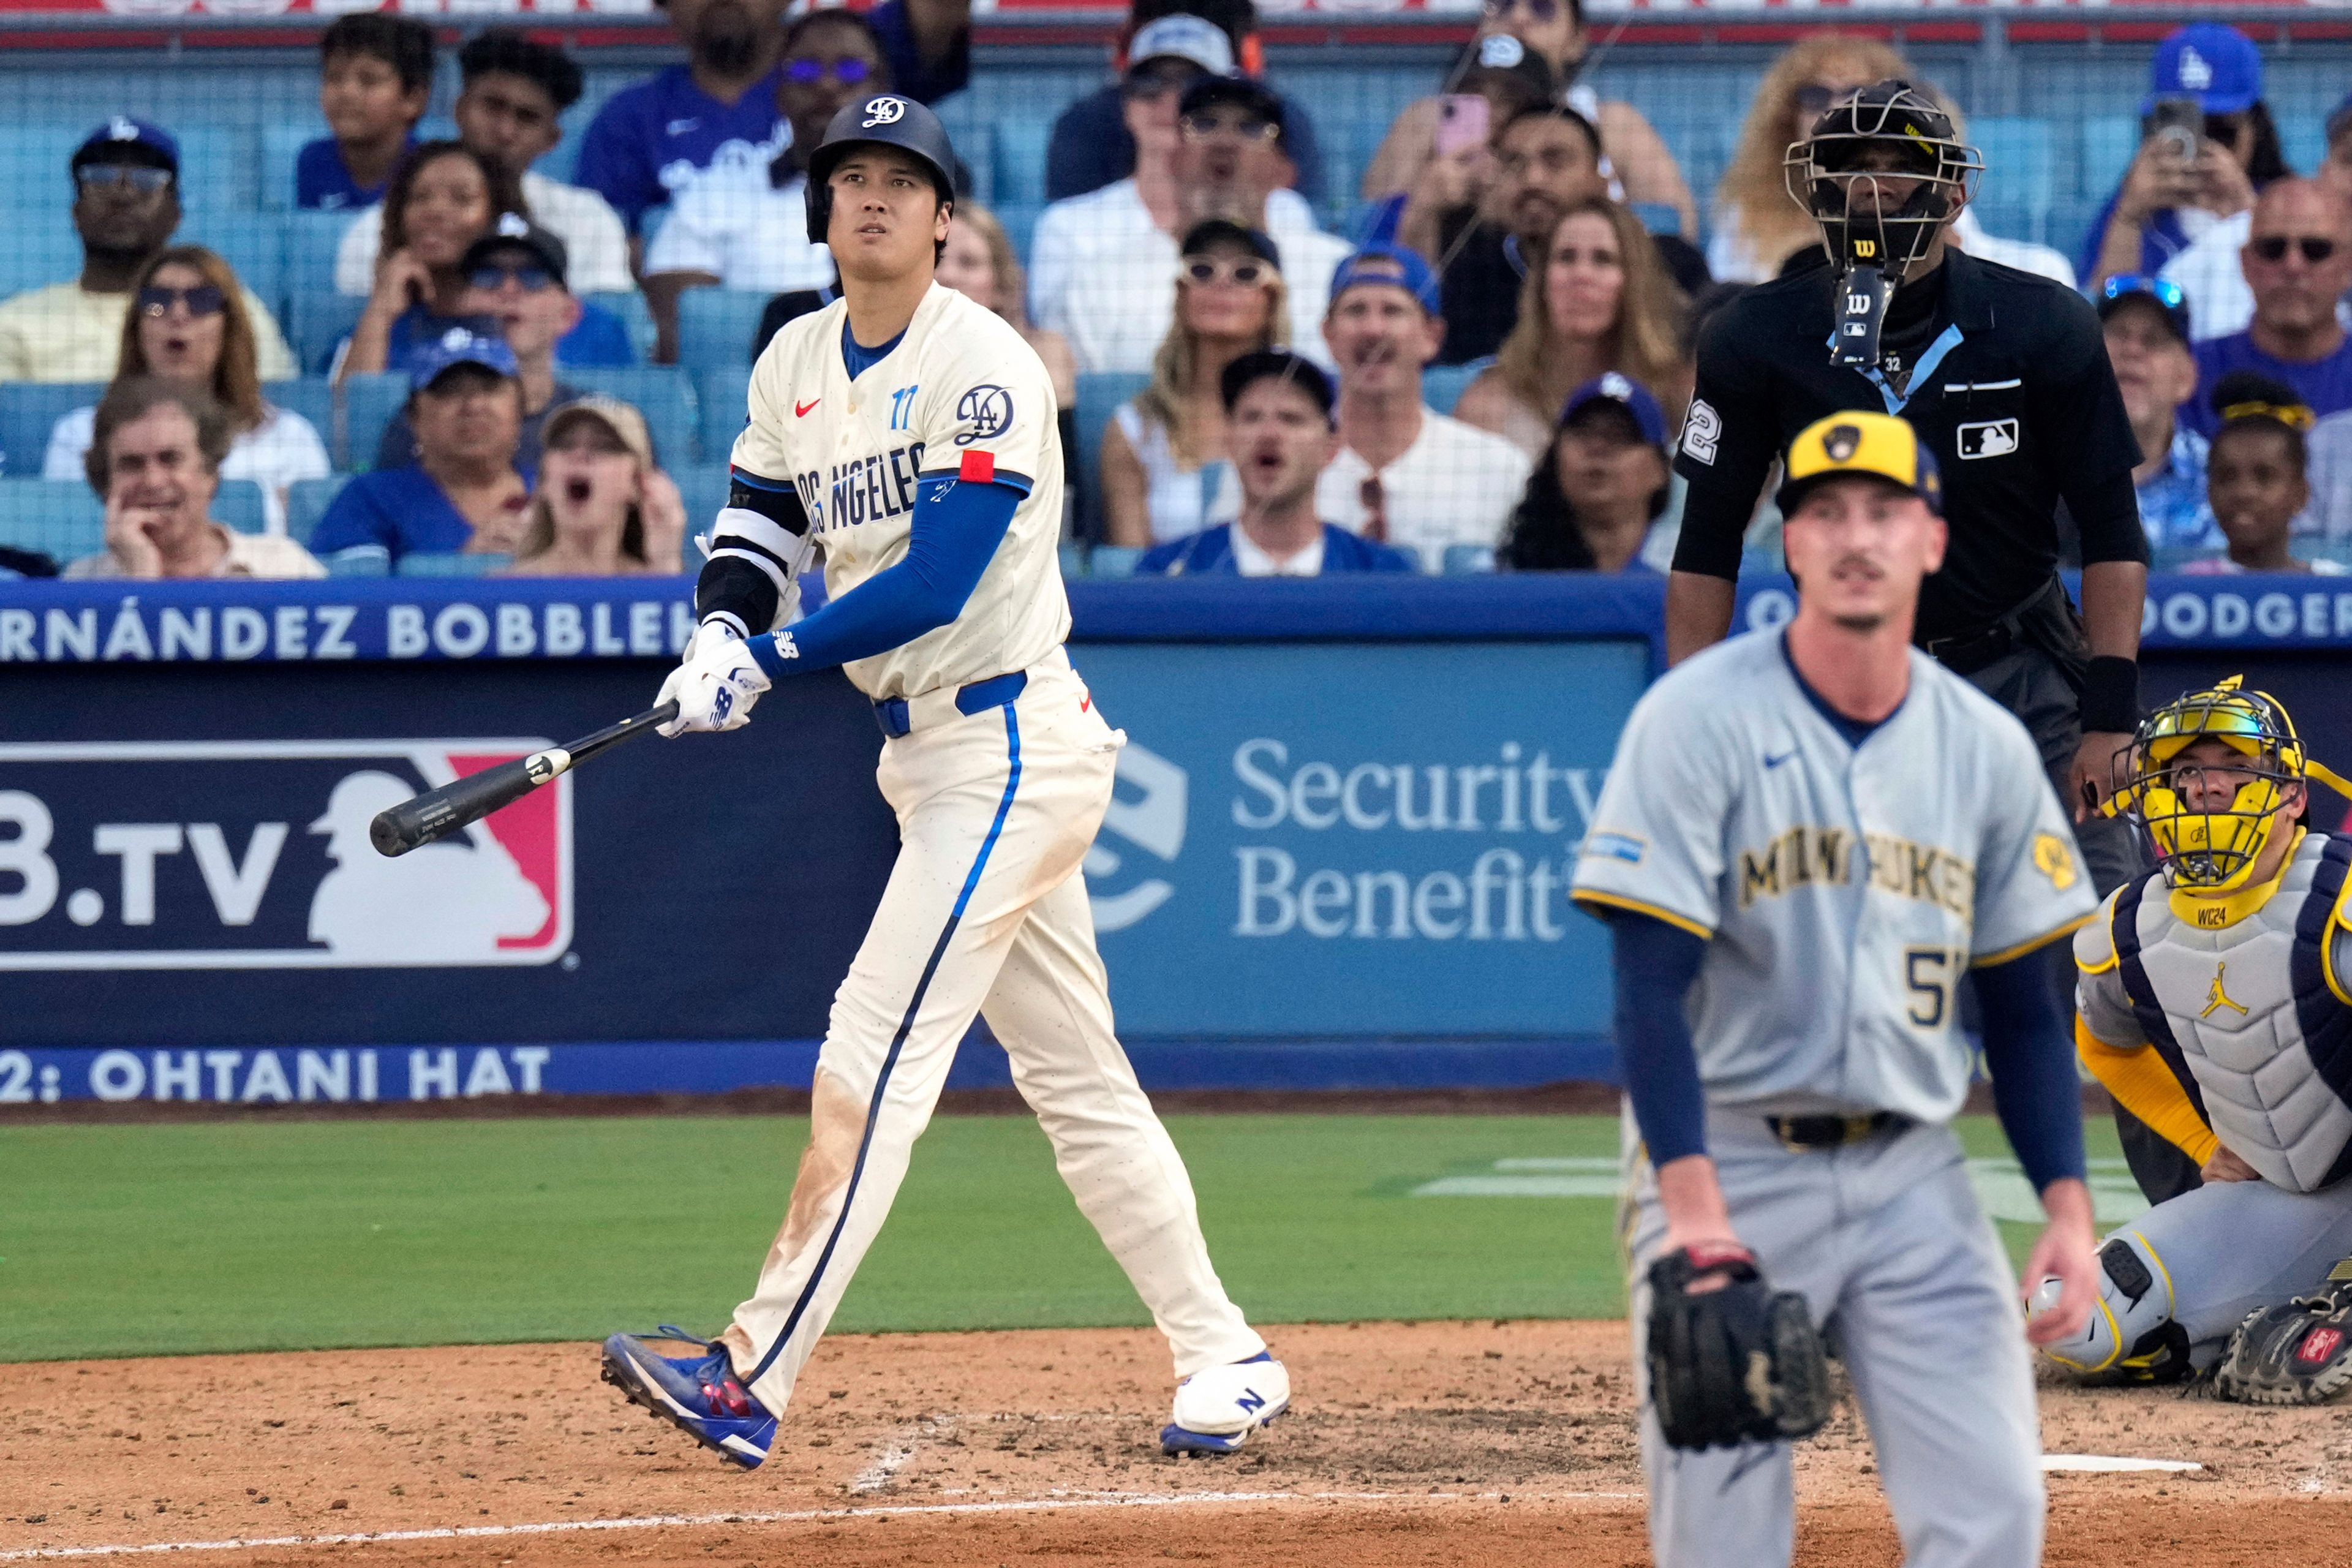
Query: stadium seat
pixel 1658 217
pixel 1019 221
pixel 317 325
pixel 2021 180
pixel 424 564
pixel 703 487
pixel 715 327
pixel 307 501
pixel 1469 560
pixel 629 310
pixel 662 393
pixel 369 403
pixel 253 243
pixel 1112 560
pixel 1441 384
pixel 41 249
pixel 238 504
pixel 722 394
pixel 1074 561
pixel 313 397
pixel 62 522
pixel 1099 395
pixel 359 566
pixel 316 316
pixel 1019 158
pixel 281 147
pixel 2110 142
pixel 27 411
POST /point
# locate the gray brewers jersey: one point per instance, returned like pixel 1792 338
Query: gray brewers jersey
pixel 1844 888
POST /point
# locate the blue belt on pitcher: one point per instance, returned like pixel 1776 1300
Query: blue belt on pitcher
pixel 898 716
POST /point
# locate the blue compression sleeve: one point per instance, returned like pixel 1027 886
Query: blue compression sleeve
pixel 2034 1090
pixel 1655 965
pixel 957 527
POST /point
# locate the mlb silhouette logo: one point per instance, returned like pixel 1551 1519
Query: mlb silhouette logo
pixel 1989 438
pixel 255 855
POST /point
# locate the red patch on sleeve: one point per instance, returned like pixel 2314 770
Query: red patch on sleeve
pixel 980 468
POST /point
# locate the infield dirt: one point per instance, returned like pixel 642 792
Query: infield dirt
pixel 1485 1444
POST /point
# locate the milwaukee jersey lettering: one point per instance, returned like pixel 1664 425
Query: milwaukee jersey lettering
pixel 960 398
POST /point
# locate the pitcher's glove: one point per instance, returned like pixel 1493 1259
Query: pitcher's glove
pixel 2299 1354
pixel 1732 1364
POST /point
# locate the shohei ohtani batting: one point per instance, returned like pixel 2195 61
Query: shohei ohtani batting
pixel 910 433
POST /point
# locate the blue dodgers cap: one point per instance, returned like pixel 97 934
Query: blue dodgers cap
pixel 1397 266
pixel 460 346
pixel 1625 393
pixel 122 134
pixel 2216 65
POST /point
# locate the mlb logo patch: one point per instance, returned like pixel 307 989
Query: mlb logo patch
pixel 1988 439
pixel 255 855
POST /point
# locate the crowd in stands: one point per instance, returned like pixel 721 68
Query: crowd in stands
pixel 1487 370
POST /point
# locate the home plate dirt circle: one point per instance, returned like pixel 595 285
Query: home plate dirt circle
pixel 1420 1443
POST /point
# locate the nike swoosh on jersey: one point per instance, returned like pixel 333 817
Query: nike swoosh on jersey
pixel 799 409
pixel 1776 761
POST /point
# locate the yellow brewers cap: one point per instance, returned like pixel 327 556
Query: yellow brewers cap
pixel 1856 442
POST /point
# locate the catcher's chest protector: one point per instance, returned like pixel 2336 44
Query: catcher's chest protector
pixel 2252 1009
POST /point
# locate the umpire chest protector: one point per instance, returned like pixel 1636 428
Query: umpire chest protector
pixel 2258 1007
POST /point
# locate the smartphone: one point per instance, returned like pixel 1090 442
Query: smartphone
pixel 1461 119
pixel 2178 123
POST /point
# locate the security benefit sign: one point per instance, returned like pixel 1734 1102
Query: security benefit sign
pixel 255 855
pixel 1355 840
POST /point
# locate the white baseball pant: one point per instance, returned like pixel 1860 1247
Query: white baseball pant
pixel 986 912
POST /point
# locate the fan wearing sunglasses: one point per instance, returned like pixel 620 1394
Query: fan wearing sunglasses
pixel 507 114
pixel 1641 168
pixel 1164 459
pixel 2298 265
pixel 189 328
pixel 2207 146
pixel 126 191
pixel 746 227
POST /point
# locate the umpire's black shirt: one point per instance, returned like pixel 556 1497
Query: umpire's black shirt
pixel 2008 385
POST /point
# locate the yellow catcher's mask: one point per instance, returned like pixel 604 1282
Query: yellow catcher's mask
pixel 2207 843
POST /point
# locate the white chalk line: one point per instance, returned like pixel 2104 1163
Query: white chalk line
pixel 795 1516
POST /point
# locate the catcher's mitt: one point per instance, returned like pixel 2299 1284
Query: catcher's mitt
pixel 2300 1353
pixel 1732 1364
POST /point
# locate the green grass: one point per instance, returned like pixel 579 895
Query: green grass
pixel 256 1236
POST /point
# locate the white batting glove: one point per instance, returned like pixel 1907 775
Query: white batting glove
pixel 716 685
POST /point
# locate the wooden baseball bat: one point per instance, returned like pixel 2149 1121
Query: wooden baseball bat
pixel 437 813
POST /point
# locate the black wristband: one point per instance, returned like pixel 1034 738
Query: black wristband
pixel 2111 695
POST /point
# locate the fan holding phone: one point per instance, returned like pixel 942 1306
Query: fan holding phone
pixel 2207 146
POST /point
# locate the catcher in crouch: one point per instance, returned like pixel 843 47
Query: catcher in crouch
pixel 1808 836
pixel 2233 959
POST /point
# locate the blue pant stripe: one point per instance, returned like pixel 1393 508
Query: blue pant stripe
pixel 898 1040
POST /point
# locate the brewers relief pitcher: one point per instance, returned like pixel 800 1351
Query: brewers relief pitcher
pixel 908 433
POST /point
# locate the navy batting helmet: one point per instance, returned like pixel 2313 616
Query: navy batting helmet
pixel 891 120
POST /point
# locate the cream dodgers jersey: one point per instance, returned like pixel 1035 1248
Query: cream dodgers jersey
pixel 961 396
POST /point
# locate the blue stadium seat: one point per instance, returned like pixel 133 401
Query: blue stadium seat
pixel 27 411
pixel 1019 221
pixel 1112 560
pixel 703 487
pixel 359 566
pixel 316 316
pixel 238 504
pixel 1019 157
pixel 313 397
pixel 253 243
pixel 715 327
pixel 307 501
pixel 1099 395
pixel 1469 560
pixel 317 324
pixel 369 403
pixel 723 396
pixel 1074 561
pixel 2110 142
pixel 62 522
pixel 661 392
pixel 422 564
pixel 41 248
pixel 2021 178
pixel 1441 384
pixel 1658 217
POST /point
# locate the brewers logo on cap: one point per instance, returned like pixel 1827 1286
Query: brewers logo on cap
pixel 1879 445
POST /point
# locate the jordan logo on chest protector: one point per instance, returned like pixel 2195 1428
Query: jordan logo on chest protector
pixel 2216 997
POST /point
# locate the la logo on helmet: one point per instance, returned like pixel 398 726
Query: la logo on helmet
pixel 884 111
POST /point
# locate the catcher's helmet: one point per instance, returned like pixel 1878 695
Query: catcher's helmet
pixel 887 118
pixel 1835 172
pixel 2206 848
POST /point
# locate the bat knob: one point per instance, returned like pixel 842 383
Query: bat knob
pixel 386 835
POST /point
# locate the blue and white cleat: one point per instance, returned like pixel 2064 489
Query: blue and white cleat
pixel 700 1395
pixel 1217 1408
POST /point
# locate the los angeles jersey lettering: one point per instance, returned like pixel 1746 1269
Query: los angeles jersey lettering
pixel 961 398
